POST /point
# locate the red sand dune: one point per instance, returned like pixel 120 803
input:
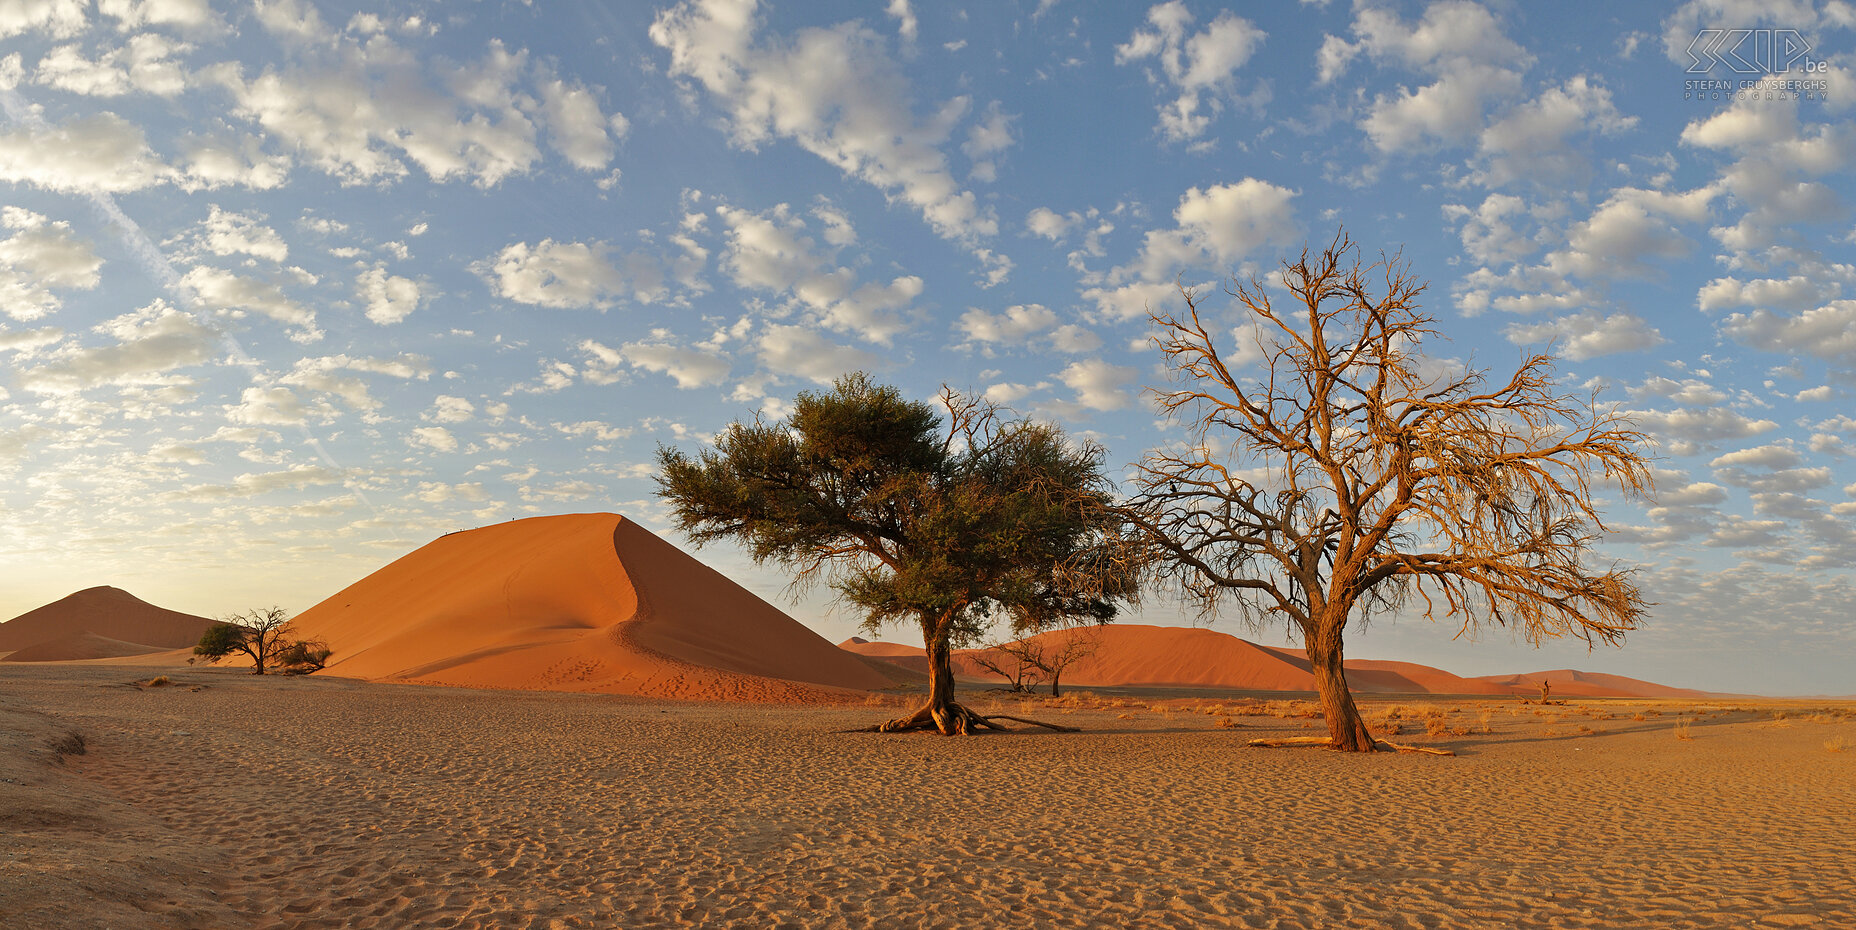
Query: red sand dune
pixel 581 602
pixel 1134 654
pixel 1569 683
pixel 97 622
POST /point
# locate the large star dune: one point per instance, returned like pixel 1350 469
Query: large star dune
pixel 580 602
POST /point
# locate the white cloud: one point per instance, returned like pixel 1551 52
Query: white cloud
pixel 327 375
pixel 57 18
pixel 989 137
pixel 359 110
pixel 1589 334
pixel 39 257
pixel 771 251
pixel 183 14
pixel 101 153
pixel 690 367
pixel 1460 45
pixel 448 409
pixel 272 406
pixel 259 484
pixel 433 437
pixel 228 233
pixel 1219 225
pixel 1098 384
pixel 836 93
pixel 1794 293
pixel 907 26
pixel 147 346
pixel 1014 325
pixel 237 295
pixel 146 64
pixel 1043 221
pixel 212 162
pixel 573 275
pixel 576 128
pixel 1688 431
pixel 389 298
pixel 796 350
pixel 1827 332
pixel 1201 66
pixel 1531 142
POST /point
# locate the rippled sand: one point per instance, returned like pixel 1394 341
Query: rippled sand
pixel 333 803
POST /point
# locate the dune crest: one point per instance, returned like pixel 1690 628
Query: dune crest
pixel 578 602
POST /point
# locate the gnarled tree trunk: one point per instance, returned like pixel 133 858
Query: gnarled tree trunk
pixel 941 712
pixel 1346 729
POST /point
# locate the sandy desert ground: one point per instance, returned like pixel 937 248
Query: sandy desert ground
pixel 226 800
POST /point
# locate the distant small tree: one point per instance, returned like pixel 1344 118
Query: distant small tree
pixel 1349 476
pixel 262 634
pixel 1015 661
pixel 1031 660
pixel 946 524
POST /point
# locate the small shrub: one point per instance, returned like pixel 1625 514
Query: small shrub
pixel 1682 729
pixel 1226 723
pixel 1836 744
pixel 1435 726
pixel 70 744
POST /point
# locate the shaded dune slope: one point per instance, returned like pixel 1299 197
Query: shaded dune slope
pixel 580 602
pixel 97 623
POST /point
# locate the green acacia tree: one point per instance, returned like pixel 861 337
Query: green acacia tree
pixel 951 524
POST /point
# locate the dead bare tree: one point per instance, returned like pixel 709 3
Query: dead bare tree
pixel 1016 661
pixel 1350 478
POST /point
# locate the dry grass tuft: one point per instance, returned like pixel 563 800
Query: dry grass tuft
pixel 1226 723
pixel 1682 728
pixel 1836 744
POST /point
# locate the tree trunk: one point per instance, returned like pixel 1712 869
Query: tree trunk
pixel 1346 730
pixel 941 712
pixel 1053 682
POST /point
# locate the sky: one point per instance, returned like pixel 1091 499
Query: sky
pixel 289 289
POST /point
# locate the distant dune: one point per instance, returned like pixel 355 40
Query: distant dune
pixel 581 602
pixel 1135 654
pixel 97 623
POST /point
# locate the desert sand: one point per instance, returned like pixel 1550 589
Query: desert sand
pixel 580 602
pixel 223 799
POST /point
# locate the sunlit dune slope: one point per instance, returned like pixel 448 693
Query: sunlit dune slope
pixel 95 623
pixel 581 602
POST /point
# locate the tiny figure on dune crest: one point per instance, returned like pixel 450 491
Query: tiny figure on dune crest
pixel 1350 476
pixel 950 517
pixel 263 635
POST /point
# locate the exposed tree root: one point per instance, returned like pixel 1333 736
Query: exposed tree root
pixel 1274 742
pixel 953 720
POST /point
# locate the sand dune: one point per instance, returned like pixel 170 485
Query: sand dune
pixel 581 602
pixel 1570 683
pixel 1135 654
pixel 97 622
pixel 78 646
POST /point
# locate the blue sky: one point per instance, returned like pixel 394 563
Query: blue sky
pixel 289 289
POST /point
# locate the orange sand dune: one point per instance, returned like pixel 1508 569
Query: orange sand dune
pixel 1570 683
pixel 78 646
pixel 581 602
pixel 58 630
pixel 1133 654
